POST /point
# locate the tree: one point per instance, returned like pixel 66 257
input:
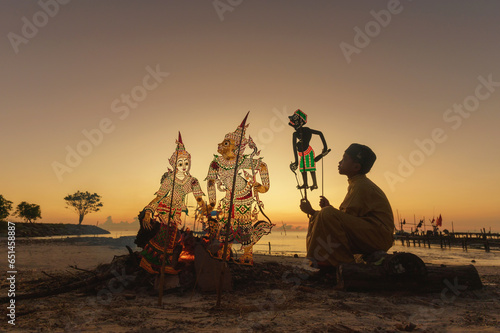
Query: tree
pixel 5 207
pixel 83 203
pixel 29 212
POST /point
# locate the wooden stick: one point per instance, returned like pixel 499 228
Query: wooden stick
pixel 322 179
pixel 228 223
pixel 50 276
pixel 162 273
pixel 63 289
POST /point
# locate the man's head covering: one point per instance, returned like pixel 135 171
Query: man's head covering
pixel 363 155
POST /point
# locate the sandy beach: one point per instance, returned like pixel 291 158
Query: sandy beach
pixel 278 296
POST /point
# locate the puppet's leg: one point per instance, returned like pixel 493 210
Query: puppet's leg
pixel 315 184
pixel 220 253
pixel 304 180
pixel 247 257
pixel 303 172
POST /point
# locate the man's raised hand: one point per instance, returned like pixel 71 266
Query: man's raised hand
pixel 323 202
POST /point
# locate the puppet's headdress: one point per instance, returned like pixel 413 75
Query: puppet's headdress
pixel 298 118
pixel 180 152
pixel 301 114
pixel 238 135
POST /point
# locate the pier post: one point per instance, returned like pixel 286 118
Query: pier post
pixel 486 244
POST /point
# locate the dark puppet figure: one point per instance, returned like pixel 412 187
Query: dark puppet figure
pixel 301 147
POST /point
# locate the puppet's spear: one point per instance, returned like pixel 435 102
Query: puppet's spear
pixel 228 223
pixel 167 241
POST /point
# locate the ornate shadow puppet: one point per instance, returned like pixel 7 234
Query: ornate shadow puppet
pixel 302 148
pixel 224 174
pixel 166 208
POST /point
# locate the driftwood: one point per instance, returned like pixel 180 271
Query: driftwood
pixel 206 276
pixel 88 283
pixel 117 265
pixel 406 272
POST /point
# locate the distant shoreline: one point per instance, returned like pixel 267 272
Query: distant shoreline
pixel 24 229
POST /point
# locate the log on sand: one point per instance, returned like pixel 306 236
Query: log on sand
pixel 406 272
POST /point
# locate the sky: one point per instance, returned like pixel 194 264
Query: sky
pixel 94 93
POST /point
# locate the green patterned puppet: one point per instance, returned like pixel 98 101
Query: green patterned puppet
pixel 302 148
pixel 169 200
pixel 245 227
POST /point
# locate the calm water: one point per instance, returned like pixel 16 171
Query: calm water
pixel 295 243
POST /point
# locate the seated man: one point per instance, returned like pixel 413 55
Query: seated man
pixel 364 222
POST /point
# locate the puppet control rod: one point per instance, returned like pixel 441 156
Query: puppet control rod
pixel 228 223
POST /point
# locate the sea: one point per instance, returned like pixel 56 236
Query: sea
pixel 294 243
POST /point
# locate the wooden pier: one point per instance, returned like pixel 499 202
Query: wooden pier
pixel 482 240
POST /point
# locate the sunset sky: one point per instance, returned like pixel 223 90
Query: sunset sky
pixel 95 92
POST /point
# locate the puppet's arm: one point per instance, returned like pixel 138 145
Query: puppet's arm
pixel 325 146
pixel 165 187
pixel 211 177
pixel 197 192
pixel 211 196
pixel 294 165
pixel 264 176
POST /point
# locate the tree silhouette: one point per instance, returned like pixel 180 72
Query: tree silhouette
pixel 29 212
pixel 5 207
pixel 83 203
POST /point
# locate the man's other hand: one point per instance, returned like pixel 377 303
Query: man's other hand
pixel 306 207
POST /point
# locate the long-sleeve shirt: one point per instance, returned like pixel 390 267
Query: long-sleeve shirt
pixel 366 200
